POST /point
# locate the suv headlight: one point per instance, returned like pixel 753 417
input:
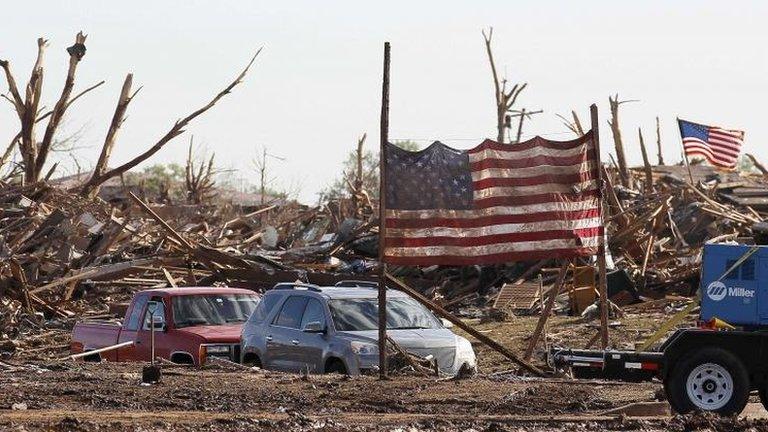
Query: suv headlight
pixel 364 348
pixel 217 349
pixel 464 348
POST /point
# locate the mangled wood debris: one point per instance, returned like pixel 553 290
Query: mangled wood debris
pixel 65 254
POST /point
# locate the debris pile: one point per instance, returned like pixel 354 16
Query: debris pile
pixel 66 257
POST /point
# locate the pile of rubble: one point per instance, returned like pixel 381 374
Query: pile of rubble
pixel 65 257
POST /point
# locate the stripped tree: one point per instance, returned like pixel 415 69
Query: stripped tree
pixel 504 99
pixel 658 142
pixel 198 180
pixel 100 173
pixel 264 182
pixel 34 153
pixel 646 164
pixel 361 200
pixel 617 142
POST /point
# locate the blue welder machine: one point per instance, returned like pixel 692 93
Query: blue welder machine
pixel 734 284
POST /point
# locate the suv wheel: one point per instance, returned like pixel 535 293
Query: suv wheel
pixel 335 366
pixel 252 360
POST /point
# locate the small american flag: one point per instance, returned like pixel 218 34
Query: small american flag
pixel 718 146
pixel 493 203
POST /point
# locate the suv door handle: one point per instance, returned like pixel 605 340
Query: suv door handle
pixel 295 342
pixel 269 338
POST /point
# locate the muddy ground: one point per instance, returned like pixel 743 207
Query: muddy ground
pixel 64 395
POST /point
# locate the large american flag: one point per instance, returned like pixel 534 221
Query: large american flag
pixel 493 203
pixel 719 146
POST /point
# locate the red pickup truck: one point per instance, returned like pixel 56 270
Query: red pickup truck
pixel 191 324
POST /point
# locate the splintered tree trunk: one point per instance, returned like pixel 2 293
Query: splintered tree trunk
pixel 617 142
pixel 91 189
pixel 646 165
pixel 357 187
pixel 658 142
pixel 33 153
pixel 500 123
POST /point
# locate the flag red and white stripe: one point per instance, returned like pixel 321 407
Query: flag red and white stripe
pixel 532 200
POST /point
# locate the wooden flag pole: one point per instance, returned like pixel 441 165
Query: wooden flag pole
pixel 382 215
pixel 601 277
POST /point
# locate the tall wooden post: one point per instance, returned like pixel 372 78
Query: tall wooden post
pixel 382 216
pixel 601 278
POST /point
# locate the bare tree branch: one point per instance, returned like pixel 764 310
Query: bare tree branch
pixel 12 87
pixel 176 130
pixel 77 96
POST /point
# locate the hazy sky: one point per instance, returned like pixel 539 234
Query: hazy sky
pixel 317 85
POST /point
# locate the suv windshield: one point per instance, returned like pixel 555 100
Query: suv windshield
pixel 362 314
pixel 212 309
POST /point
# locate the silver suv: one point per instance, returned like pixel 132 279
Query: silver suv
pixel 300 327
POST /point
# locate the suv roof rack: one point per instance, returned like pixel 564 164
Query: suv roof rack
pixel 357 283
pixel 294 285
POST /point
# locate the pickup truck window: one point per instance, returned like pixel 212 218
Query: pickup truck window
pixel 212 309
pixel 132 323
pixel 160 312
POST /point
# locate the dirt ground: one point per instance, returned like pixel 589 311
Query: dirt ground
pixel 74 396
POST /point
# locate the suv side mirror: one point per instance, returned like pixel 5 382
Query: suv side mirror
pixel 446 323
pixel 314 327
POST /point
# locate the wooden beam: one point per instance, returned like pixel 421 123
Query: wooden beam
pixel 546 310
pixel 98 351
pixel 464 326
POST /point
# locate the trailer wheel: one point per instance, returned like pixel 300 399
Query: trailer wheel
pixel 712 379
pixel 672 397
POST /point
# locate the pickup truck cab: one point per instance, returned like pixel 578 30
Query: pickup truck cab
pixel 191 324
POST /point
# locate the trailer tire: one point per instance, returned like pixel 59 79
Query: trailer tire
pixel 711 379
pixel 673 401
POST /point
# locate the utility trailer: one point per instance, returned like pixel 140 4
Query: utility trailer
pixel 713 367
